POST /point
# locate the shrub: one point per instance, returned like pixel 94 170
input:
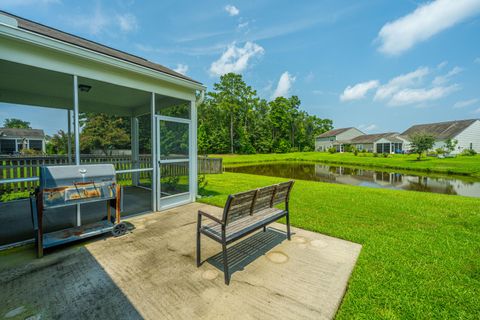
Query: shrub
pixel 307 149
pixel 355 151
pixel 385 155
pixel 375 155
pixel 469 152
pixel 440 151
pixel 332 150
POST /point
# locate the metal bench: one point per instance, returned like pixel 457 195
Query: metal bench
pixel 243 214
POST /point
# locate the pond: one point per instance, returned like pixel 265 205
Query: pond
pixel 356 176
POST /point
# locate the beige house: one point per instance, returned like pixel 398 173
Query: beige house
pixel 336 138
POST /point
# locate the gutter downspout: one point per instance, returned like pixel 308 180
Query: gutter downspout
pixel 200 99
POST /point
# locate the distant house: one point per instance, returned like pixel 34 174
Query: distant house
pixel 336 138
pixel 466 132
pixel 389 142
pixel 13 140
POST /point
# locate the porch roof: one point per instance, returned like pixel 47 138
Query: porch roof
pixel 56 34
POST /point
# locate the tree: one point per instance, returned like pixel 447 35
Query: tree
pixel 450 145
pixel 103 132
pixel 58 143
pixel 16 123
pixel 421 142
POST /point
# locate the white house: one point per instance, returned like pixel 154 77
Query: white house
pixel 13 140
pixel 466 132
pixel 335 138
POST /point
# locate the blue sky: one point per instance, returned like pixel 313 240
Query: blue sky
pixel 376 65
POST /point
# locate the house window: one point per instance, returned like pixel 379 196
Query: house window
pixel 7 146
pixel 383 147
pixel 36 145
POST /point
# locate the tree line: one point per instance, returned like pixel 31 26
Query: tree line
pixel 234 119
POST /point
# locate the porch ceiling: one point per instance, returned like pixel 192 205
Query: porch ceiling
pixel 22 84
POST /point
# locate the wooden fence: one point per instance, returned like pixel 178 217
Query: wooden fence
pixel 13 167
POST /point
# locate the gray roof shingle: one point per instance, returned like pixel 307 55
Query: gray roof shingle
pixel 371 138
pixel 91 45
pixel 21 133
pixel 441 130
pixel 333 132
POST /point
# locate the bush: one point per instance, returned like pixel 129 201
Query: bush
pixel 469 152
pixel 307 149
pixel 332 150
pixel 440 151
pixel 375 155
pixel 385 155
pixel 355 151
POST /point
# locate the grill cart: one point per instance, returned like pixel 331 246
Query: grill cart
pixel 62 186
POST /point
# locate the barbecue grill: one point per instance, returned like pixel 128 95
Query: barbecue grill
pixel 62 186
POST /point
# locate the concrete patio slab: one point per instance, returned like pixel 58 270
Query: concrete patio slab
pixel 150 273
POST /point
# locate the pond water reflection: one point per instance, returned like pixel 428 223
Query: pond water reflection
pixel 455 185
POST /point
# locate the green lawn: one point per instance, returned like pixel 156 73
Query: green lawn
pixel 421 251
pixel 462 165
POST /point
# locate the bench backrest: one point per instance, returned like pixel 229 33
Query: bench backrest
pixel 246 203
pixel 282 192
pixel 238 206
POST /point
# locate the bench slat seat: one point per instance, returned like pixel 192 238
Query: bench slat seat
pixel 238 228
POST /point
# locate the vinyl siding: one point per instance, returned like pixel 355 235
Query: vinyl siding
pixel 467 136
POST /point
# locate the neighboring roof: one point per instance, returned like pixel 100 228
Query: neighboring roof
pixel 371 138
pixel 91 45
pixel 21 133
pixel 334 132
pixel 441 130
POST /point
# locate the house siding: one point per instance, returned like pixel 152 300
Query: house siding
pixel 323 144
pixel 471 135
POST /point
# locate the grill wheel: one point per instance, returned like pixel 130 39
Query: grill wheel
pixel 119 229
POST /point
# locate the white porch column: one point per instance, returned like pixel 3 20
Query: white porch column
pixel 193 152
pixel 135 150
pixel 69 136
pixel 155 182
pixel 77 134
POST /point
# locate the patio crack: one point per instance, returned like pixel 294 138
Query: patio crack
pixel 281 295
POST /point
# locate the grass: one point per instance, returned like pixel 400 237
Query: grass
pixel 461 165
pixel 421 252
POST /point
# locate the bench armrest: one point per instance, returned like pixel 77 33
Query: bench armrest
pixel 209 216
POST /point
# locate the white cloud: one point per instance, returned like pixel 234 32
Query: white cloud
pixel 243 25
pixel 427 20
pixel 284 85
pixel 442 65
pixel 465 103
pixel 400 82
pixel 412 96
pixel 181 68
pixel 235 59
pixel 367 128
pixel 99 21
pixel 127 22
pixel 232 10
pixel 476 111
pixel 440 80
pixel 358 91
pixel 477 60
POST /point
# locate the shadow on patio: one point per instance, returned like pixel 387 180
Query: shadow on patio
pixel 151 273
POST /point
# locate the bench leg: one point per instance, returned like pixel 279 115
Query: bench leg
pixel 288 225
pixel 225 264
pixel 198 241
pixel 198 249
pixel 264 228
